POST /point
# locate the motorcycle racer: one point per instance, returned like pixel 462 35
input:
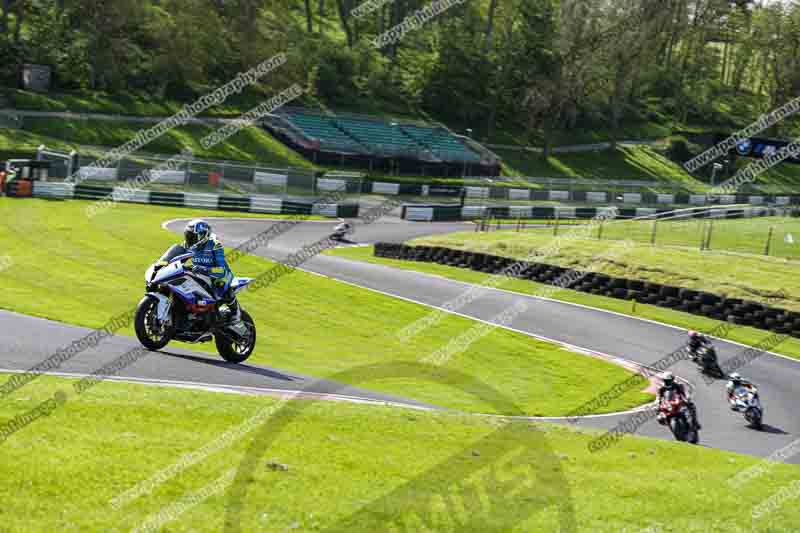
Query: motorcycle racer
pixel 696 341
pixel 340 231
pixel 669 383
pixel 736 381
pixel 209 260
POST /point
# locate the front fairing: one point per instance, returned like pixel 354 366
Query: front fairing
pixel 168 272
pixel 176 251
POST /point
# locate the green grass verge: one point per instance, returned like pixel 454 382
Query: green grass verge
pixel 733 274
pixel 746 335
pixel 306 323
pixel 780 236
pixel 63 471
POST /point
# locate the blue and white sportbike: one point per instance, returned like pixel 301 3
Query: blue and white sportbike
pixel 179 304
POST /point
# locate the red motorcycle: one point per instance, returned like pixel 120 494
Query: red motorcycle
pixel 674 412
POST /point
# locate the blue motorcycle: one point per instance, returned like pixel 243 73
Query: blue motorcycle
pixel 179 305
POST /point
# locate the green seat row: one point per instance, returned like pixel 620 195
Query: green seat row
pixel 325 131
pixel 442 143
pixel 377 137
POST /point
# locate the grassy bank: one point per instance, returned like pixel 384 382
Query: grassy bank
pixel 248 144
pixel 625 163
pixel 743 275
pixel 453 473
pixel 131 103
pixel 765 237
pixel 306 323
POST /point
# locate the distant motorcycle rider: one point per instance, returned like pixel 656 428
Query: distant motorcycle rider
pixel 669 383
pixel 697 341
pixel 209 260
pixel 341 230
pixel 736 381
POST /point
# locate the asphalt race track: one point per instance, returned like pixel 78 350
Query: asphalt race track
pixel 27 340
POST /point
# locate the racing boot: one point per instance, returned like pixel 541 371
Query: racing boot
pixel 229 311
pixel 231 315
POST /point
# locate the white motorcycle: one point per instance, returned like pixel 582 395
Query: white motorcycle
pixel 746 400
pixel 180 305
pixel 341 231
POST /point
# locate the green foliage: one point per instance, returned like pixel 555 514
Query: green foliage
pixel 679 150
pixel 542 72
pixel 335 74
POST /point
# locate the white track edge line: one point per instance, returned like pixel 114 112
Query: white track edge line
pixel 585 306
pixel 301 394
pixel 221 387
pixel 574 348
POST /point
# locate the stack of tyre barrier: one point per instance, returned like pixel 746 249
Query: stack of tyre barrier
pixel 734 310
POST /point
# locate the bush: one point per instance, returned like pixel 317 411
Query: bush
pixel 334 78
pixel 678 150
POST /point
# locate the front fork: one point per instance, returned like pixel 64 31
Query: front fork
pixel 163 308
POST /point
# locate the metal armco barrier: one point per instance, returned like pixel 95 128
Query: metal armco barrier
pixel 644 198
pixel 733 310
pixel 434 213
pixel 247 204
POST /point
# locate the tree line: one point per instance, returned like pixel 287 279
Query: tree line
pixel 537 67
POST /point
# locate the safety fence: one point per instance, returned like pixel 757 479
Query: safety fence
pixel 181 172
pixel 200 175
pixel 250 204
pixel 632 198
pixel 733 310
pixel 432 213
pixel 500 194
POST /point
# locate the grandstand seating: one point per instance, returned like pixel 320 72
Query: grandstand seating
pixel 379 138
pixel 382 137
pixel 330 136
pixel 441 143
pixel 363 141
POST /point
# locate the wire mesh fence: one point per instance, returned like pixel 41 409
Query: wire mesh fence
pixel 774 236
pixel 189 174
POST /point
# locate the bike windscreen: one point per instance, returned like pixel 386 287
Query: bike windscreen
pixel 174 251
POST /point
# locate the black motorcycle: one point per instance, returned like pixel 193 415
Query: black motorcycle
pixel 706 358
